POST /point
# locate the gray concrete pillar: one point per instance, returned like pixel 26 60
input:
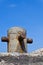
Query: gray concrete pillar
pixel 16 40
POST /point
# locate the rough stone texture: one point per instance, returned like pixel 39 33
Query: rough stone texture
pixel 16 40
pixel 13 34
pixel 34 58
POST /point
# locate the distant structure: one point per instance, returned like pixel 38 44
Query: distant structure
pixel 16 40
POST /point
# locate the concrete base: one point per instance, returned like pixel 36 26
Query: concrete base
pixel 34 58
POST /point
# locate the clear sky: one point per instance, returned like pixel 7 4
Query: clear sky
pixel 23 13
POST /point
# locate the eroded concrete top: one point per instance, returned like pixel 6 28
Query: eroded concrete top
pixel 16 30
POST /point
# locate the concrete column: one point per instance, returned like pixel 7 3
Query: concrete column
pixel 16 40
pixel 14 44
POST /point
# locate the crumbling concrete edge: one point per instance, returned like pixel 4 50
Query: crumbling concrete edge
pixel 18 54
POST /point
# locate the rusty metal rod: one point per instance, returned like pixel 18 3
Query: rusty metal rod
pixel 4 39
pixel 29 41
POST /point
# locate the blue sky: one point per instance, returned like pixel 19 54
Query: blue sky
pixel 23 13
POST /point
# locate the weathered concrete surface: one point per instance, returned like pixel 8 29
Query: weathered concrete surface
pixel 34 58
pixel 13 34
pixel 16 40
